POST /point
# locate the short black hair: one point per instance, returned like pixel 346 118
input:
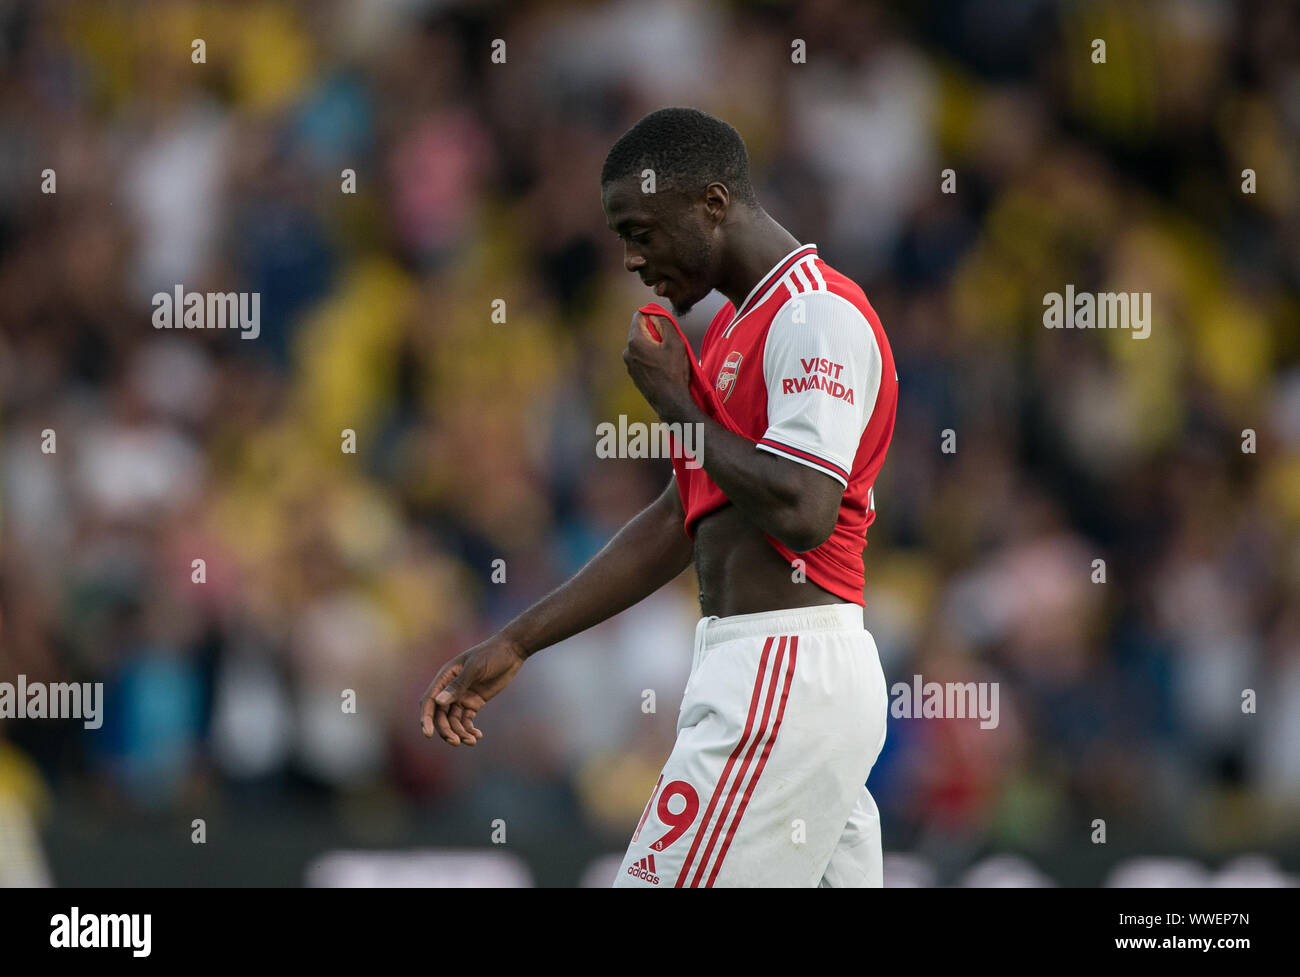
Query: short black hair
pixel 687 149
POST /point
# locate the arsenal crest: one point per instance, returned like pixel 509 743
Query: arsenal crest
pixel 727 375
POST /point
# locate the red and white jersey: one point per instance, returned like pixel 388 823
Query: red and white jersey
pixel 804 370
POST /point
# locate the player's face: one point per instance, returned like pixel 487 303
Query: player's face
pixel 668 241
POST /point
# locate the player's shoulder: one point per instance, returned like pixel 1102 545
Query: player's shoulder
pixel 827 292
pixel 844 288
pixel 828 307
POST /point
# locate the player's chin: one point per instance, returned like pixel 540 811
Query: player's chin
pixel 682 304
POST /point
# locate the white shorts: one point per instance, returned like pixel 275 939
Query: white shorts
pixel 782 719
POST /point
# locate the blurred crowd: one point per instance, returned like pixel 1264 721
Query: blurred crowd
pixel 1173 459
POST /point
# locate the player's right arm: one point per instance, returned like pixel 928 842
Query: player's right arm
pixel 649 551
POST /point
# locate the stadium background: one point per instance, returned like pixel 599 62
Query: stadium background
pixel 479 181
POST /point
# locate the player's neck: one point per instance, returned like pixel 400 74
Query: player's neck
pixel 764 242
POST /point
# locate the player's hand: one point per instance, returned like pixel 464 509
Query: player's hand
pixel 464 684
pixel 660 370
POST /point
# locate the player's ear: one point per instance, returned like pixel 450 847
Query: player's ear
pixel 717 200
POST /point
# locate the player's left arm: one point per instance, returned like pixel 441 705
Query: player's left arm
pixel 822 368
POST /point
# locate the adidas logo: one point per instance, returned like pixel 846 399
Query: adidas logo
pixel 644 869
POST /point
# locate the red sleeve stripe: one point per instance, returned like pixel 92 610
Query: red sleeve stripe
pixel 800 455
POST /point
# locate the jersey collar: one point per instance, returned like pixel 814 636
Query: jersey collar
pixel 777 272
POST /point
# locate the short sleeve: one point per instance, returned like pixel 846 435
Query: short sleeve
pixel 822 366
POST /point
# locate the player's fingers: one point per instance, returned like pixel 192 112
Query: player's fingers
pixel 468 721
pixel 471 737
pixel 426 716
pixel 444 727
pixel 454 715
pixel 643 331
pixel 456 687
pixel 428 700
pixel 664 326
